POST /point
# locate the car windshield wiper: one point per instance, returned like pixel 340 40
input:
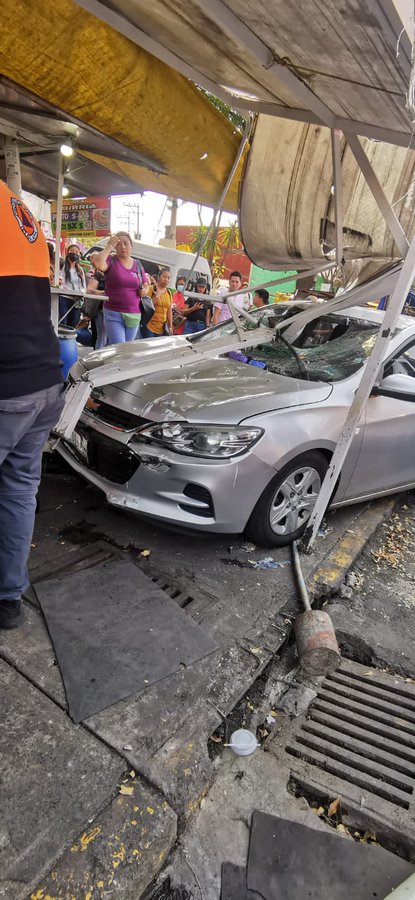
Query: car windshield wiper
pixel 304 374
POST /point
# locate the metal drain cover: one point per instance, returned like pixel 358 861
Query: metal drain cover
pixel 195 601
pixel 358 742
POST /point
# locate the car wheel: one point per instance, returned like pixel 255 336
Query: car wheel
pixel 283 510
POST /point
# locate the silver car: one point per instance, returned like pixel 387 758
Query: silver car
pixel 241 442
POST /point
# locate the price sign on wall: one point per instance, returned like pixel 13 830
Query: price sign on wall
pixel 87 217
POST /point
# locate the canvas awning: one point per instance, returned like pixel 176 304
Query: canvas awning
pixel 145 125
pixel 122 68
pixel 288 205
pixel 323 62
pixel 308 69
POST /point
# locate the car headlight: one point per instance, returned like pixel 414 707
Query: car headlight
pixel 201 440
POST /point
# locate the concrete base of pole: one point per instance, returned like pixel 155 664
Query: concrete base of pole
pixel 316 641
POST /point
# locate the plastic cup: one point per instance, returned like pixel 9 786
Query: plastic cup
pixel 243 742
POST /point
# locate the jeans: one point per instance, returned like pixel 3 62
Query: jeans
pixel 84 337
pixel 72 318
pixel 146 333
pixel 117 331
pixel 193 327
pixel 101 338
pixel 25 423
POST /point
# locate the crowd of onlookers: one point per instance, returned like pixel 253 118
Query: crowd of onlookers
pixel 137 305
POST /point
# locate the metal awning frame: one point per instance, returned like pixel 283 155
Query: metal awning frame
pixel 310 108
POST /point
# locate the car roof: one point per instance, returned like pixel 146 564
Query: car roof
pixel 373 315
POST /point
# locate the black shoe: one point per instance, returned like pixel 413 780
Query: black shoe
pixel 11 614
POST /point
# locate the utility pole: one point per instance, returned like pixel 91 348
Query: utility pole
pixel 169 239
pixel 133 211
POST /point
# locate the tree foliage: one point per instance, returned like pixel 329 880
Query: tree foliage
pixel 236 119
pixel 220 242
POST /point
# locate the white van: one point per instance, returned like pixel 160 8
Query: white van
pixel 153 257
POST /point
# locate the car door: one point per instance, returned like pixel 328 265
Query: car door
pixel 387 456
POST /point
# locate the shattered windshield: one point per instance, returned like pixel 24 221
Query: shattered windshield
pixel 329 348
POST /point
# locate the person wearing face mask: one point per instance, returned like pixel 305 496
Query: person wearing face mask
pixel 179 306
pixel 73 279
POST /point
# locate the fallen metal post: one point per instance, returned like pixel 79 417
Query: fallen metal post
pixel 337 186
pixel 241 148
pixel 221 298
pixel 372 367
pixel 78 392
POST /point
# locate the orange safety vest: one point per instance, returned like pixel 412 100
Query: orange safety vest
pixel 29 349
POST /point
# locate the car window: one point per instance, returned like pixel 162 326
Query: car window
pixel 329 348
pixel 404 364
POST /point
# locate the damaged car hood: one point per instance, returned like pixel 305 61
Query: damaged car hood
pixel 219 391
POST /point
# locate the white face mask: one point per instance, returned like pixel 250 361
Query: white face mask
pixel 180 287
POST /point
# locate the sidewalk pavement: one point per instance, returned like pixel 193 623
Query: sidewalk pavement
pixel 94 809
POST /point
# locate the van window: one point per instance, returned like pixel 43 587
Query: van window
pixel 150 267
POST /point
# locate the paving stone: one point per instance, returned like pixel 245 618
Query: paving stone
pixel 54 778
pixel 119 853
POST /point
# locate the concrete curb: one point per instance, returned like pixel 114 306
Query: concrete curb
pixel 325 578
pixel 119 853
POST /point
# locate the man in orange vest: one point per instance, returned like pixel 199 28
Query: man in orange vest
pixel 31 391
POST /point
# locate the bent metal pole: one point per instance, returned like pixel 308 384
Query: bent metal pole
pixel 372 367
pixel 218 209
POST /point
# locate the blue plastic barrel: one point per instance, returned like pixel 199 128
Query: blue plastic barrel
pixel 68 347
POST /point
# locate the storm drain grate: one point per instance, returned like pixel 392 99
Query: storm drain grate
pixel 358 742
pixel 363 731
pixel 197 602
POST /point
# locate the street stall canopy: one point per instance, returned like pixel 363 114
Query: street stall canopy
pixel 139 125
pixel 307 69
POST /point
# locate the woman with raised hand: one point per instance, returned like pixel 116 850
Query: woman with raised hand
pixel 124 277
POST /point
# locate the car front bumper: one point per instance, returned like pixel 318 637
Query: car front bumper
pixel 201 494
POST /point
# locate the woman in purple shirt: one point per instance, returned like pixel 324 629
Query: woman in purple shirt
pixel 124 277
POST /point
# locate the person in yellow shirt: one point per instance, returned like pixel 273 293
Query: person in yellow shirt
pixel 161 321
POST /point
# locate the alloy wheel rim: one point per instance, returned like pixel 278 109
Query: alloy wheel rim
pixel 293 501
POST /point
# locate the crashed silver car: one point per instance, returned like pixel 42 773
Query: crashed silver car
pixel 242 441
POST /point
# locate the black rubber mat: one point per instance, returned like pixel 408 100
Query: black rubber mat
pixel 115 633
pixel 288 860
pixel 233 884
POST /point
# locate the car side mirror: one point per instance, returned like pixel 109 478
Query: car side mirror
pixel 399 386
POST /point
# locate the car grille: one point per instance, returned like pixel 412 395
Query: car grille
pixel 197 492
pixel 108 458
pixel 111 460
pixel 118 418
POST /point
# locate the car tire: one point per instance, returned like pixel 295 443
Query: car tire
pixel 283 510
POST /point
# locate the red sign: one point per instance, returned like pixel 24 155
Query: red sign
pixel 87 217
